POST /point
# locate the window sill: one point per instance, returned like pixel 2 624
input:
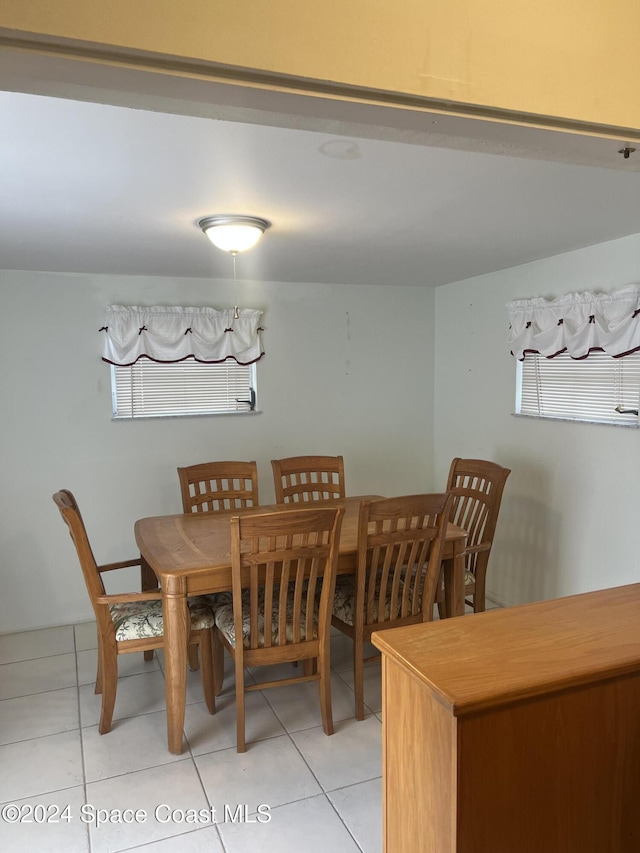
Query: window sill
pixel 184 415
pixel 574 421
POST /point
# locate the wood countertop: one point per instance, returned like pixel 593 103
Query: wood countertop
pixel 501 656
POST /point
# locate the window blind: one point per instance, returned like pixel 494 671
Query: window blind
pixel 587 390
pixel 147 389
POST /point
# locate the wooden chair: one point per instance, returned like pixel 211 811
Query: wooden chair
pixel 283 569
pixel 400 543
pixel 477 487
pixel 215 486
pixel 308 478
pixel 129 622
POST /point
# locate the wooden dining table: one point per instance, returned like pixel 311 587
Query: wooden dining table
pixel 190 554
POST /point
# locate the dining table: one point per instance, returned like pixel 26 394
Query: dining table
pixel 190 554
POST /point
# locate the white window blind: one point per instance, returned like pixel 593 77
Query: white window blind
pixel 148 389
pixel 589 389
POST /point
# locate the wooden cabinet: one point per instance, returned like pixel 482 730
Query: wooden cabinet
pixel 516 730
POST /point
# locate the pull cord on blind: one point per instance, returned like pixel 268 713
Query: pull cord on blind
pixel 170 334
pixel 576 324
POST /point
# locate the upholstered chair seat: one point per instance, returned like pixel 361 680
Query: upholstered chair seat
pixel 225 622
pixel 138 620
pixel 344 601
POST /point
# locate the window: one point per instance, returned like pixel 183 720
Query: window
pixel 148 389
pixel 588 389
pixel 578 356
pixel 170 360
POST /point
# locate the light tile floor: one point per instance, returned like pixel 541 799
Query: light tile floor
pixel 70 789
pixel 319 793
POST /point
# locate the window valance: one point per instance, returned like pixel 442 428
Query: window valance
pixel 168 334
pixel 578 323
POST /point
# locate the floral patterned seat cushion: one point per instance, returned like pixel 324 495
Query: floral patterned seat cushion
pixel 344 601
pixel 137 620
pixel 217 599
pixel 225 624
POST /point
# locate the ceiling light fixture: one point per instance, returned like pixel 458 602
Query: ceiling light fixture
pixel 234 233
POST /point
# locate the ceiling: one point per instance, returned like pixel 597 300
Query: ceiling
pixel 108 188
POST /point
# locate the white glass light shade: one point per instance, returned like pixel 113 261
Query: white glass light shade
pixel 234 233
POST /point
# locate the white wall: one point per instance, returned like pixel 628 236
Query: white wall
pixel 348 370
pixel 569 517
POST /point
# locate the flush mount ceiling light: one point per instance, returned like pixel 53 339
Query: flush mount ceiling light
pixel 234 233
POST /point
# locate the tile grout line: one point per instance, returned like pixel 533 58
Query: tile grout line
pixel 85 794
pixel 195 765
pixel 204 791
pixel 192 758
pixel 325 793
pixel 339 816
pixel 322 789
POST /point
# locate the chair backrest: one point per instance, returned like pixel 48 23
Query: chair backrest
pixel 285 562
pixel 477 487
pixel 72 517
pixel 215 486
pixel 400 547
pixel 298 479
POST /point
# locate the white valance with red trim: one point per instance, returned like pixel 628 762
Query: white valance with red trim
pixel 168 334
pixel 578 323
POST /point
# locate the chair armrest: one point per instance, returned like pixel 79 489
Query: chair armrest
pixel 126 597
pixel 109 567
pixel 477 549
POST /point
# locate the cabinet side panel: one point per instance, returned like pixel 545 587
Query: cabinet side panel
pixel 555 773
pixel 419 765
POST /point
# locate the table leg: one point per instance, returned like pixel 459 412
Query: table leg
pixel 176 636
pixel 454 580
